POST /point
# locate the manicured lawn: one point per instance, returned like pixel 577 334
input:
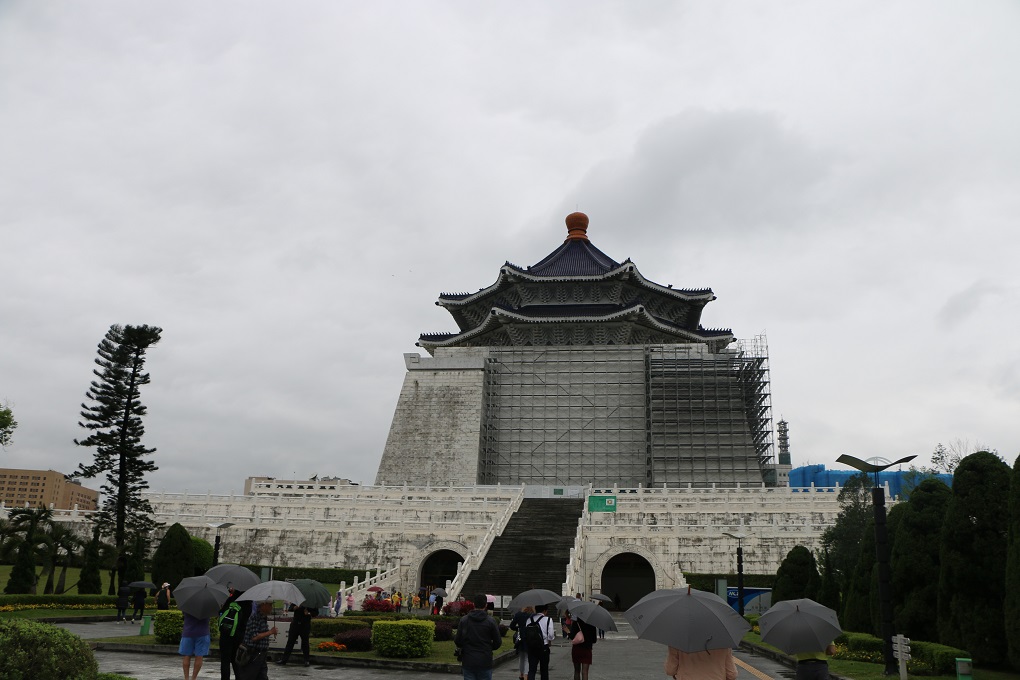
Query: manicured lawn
pixel 70 581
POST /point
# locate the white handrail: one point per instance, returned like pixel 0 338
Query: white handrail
pixel 475 558
pixel 575 566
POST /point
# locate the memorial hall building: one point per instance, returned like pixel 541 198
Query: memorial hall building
pixel 580 415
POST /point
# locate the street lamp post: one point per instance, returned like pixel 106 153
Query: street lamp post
pixel 881 553
pixel 216 545
pixel 740 569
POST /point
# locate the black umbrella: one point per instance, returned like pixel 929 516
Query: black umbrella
pixel 534 597
pixel 594 614
pixel 233 576
pixel 690 620
pixel 200 596
pixel 141 584
pixel 601 597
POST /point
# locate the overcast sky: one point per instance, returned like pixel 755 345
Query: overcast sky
pixel 286 188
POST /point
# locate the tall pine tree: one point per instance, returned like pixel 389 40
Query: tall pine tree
pixel 114 420
pixel 972 579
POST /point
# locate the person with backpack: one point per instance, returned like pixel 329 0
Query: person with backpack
pixel 232 622
pixel 517 624
pixel 539 633
pixel 477 635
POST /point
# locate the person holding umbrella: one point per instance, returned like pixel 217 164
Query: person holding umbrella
pixel 256 642
pixel 199 597
pixel 581 647
pixel 232 623
pixel 805 629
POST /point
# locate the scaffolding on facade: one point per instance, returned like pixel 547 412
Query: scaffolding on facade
pixel 660 415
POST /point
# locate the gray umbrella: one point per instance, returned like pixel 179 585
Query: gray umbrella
pixel 273 590
pixel 533 598
pixel 566 603
pixel 200 596
pixel 690 620
pixel 591 612
pixel 799 626
pixel 234 576
pixel 439 592
pixel 601 597
pixel 141 584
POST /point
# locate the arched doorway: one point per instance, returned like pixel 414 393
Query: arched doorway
pixel 438 568
pixel 627 578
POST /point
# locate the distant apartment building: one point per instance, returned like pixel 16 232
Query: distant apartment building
pixel 44 488
pixel 316 486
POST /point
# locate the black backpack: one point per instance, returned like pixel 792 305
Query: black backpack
pixel 229 619
pixel 534 638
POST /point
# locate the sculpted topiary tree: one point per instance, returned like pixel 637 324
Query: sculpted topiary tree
pixel 202 551
pixel 915 559
pixel 174 559
pixel 1012 603
pixel 90 581
pixel 797 576
pixel 972 579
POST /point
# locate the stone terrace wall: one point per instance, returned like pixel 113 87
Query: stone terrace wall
pixel 364 527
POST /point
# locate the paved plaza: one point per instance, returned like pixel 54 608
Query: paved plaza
pixel 618 657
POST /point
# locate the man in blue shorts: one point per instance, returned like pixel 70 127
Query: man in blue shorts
pixel 194 643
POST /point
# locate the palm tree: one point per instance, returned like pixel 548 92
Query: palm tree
pixel 70 543
pixel 27 521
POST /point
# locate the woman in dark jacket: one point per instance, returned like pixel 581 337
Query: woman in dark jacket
pixel 123 602
pixel 138 602
pixel 580 653
pixel 517 624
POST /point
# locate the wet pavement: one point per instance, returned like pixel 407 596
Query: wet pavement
pixel 619 656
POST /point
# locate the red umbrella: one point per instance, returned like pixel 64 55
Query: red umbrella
pixel 374 589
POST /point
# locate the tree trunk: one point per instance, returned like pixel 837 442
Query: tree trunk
pixel 62 579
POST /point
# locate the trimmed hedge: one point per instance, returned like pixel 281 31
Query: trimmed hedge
pixel 359 640
pixel 168 624
pixel 30 650
pixel 325 627
pixel 927 658
pixel 321 575
pixel 707 581
pixel 403 639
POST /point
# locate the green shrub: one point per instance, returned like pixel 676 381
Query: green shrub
pixel 168 625
pixel 174 559
pixel 403 639
pixel 940 658
pixel 37 651
pixel 203 553
pixel 330 627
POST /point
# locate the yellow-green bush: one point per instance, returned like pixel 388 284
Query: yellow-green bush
pixel 168 624
pixel 38 651
pixel 407 639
